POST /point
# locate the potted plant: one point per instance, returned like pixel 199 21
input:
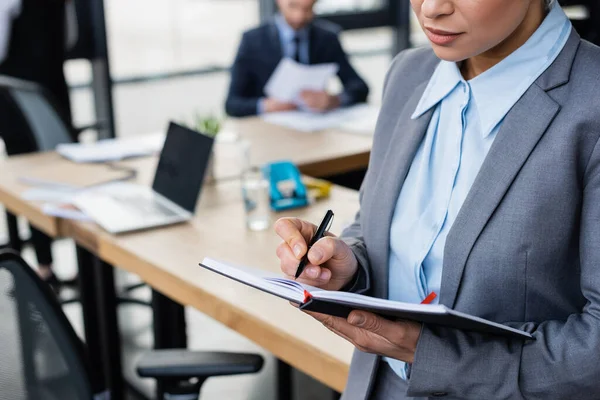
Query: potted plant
pixel 209 125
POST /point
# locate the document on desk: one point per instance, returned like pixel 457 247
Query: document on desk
pixel 290 78
pixel 360 119
pixel 53 177
pixel 65 211
pixel 50 194
pixel 340 304
pixel 57 202
pixel 112 149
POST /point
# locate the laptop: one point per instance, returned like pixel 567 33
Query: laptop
pixel 120 207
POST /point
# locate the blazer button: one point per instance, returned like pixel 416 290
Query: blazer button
pixel 439 394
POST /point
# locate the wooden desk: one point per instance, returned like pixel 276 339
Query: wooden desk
pixel 318 154
pixel 167 259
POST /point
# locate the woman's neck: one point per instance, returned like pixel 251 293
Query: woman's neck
pixel 477 65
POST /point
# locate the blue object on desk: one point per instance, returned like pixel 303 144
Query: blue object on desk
pixel 286 188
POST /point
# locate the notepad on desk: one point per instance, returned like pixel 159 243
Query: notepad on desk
pixel 360 119
pixel 112 149
pixel 342 303
pixel 54 176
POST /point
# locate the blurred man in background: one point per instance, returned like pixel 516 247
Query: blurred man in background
pixel 32 48
pixel 292 33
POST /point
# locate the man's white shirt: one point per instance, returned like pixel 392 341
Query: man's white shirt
pixel 9 10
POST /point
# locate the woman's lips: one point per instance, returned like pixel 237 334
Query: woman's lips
pixel 441 38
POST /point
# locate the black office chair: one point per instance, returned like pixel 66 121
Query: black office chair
pixel 30 123
pixel 41 357
pixel 40 125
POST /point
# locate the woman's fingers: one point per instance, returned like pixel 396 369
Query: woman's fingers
pixel 289 266
pixel 296 233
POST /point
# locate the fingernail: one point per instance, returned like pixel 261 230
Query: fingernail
pixel 324 274
pixel 317 255
pixel 357 319
pixel 313 273
pixel 297 250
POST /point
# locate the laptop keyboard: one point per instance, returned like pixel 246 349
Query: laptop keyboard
pixel 123 209
pixel 145 206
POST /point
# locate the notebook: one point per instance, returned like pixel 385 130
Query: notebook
pixel 340 304
pixel 108 150
pixel 53 176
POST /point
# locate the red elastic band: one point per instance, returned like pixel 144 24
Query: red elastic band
pixel 429 299
pixel 307 296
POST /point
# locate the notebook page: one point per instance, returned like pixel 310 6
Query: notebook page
pixel 359 300
pixel 258 279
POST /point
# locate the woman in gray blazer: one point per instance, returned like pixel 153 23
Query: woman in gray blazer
pixel 483 191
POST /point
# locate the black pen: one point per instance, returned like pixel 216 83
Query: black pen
pixel 318 236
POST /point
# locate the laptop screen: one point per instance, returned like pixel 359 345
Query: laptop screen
pixel 183 161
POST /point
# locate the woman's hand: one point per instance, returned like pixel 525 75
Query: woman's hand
pixel 373 334
pixel 332 263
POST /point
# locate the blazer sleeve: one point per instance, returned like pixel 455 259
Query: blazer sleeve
pixel 353 237
pixel 562 361
pixel 241 101
pixel 355 88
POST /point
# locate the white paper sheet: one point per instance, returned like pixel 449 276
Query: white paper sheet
pixel 112 149
pixel 60 211
pixel 290 78
pixel 51 194
pixel 356 119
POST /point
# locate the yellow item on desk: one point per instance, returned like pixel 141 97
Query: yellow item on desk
pixel 317 188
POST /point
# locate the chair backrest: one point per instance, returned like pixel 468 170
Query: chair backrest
pixel 41 357
pixel 36 108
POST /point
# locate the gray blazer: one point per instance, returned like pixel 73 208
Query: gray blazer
pixel 524 249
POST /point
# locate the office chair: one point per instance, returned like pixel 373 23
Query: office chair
pixel 40 124
pixel 35 125
pixel 41 357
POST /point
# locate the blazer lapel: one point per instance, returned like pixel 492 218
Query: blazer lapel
pixel 521 130
pixel 406 138
pixel 274 43
pixel 313 42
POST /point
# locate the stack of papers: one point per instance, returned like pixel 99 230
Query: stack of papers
pixel 57 201
pixel 65 211
pixel 291 78
pixel 361 119
pixel 88 175
pixel 57 195
pixel 112 149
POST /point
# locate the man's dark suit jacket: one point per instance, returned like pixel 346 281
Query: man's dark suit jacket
pixel 259 54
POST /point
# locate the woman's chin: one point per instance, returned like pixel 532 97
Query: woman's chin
pixel 450 54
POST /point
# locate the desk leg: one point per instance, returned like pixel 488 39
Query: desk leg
pixel 169 328
pixel 89 307
pixel 285 387
pixel 14 240
pixel 111 338
pixel 99 307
